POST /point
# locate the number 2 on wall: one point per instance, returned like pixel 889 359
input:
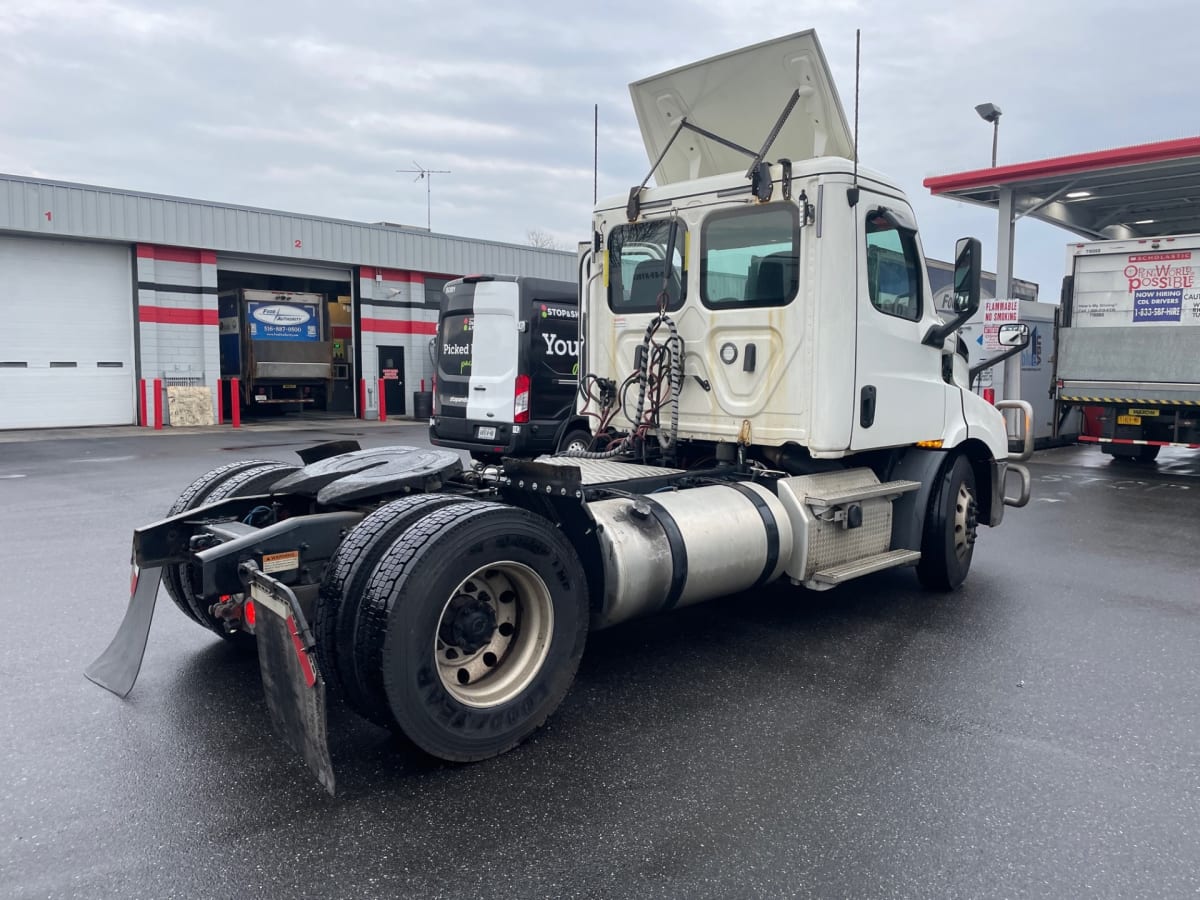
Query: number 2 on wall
pixel 297 243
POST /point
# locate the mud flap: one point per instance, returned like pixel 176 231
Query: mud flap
pixel 116 669
pixel 292 682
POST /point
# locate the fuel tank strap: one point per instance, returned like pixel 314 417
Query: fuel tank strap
pixel 679 565
pixel 770 526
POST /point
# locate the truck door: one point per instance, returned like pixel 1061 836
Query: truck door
pixel 900 396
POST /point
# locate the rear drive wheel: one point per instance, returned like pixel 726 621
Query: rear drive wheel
pixel 948 542
pixel 247 482
pixel 479 615
pixel 194 495
pixel 336 617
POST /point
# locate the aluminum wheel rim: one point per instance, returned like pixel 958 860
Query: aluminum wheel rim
pixel 965 522
pixel 506 662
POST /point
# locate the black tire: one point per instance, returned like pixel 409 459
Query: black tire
pixel 1148 453
pixel 255 480
pixel 196 494
pixel 576 438
pixel 467 554
pixel 335 619
pixel 948 542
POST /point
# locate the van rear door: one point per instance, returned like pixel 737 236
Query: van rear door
pixel 478 355
pixel 554 357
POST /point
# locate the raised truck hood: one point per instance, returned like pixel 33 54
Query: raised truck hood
pixel 738 96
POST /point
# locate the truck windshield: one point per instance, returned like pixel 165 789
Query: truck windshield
pixel 636 268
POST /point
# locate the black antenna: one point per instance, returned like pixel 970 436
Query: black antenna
pixel 595 148
pixel 852 192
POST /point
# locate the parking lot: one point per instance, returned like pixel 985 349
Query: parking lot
pixel 1035 734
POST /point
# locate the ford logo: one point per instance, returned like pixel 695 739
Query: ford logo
pixel 282 314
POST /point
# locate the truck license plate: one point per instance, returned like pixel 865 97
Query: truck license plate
pixel 1143 412
pixel 486 433
pixel 1129 420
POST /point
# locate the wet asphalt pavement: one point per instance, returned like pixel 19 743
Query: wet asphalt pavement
pixel 1036 734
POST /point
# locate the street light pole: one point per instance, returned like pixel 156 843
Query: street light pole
pixel 990 112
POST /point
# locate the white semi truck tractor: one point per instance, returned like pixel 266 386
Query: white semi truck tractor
pixel 772 395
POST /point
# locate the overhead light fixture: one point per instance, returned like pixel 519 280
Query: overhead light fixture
pixel 1144 222
pixel 1078 195
pixel 990 112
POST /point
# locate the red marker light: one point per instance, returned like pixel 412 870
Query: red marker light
pixel 248 613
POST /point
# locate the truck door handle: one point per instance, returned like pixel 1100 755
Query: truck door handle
pixel 479 387
pixel 866 415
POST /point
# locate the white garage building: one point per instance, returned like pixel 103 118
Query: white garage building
pixel 100 288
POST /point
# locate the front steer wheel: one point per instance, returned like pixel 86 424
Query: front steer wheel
pixel 948 542
pixel 472 628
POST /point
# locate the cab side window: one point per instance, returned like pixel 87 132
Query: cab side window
pixel 893 268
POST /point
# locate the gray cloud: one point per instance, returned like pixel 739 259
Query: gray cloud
pixel 311 107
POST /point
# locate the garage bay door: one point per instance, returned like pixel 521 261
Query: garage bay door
pixel 66 334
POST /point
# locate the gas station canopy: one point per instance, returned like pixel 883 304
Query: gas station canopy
pixel 1143 191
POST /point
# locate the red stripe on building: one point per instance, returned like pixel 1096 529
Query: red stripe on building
pixel 177 254
pixel 396 276
pixel 169 315
pixel 399 326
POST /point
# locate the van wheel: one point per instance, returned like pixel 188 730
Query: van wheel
pixel 255 480
pixel 577 440
pixel 948 542
pixel 194 495
pixel 473 627
pixel 335 621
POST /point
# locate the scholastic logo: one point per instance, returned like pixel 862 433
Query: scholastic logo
pixel 1160 276
pixel 1159 257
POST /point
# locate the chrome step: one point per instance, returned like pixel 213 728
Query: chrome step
pixel 869 492
pixel 847 571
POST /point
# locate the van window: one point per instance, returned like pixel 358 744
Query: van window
pixel 454 354
pixel 636 267
pixel 893 268
pixel 751 257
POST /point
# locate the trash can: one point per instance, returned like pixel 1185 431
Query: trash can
pixel 422 404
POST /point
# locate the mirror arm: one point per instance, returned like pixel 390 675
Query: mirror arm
pixel 988 363
pixel 937 334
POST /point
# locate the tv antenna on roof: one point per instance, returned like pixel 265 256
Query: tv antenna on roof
pixel 426 174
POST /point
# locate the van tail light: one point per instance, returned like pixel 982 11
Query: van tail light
pixel 521 400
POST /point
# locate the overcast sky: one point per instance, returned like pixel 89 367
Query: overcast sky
pixel 312 107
